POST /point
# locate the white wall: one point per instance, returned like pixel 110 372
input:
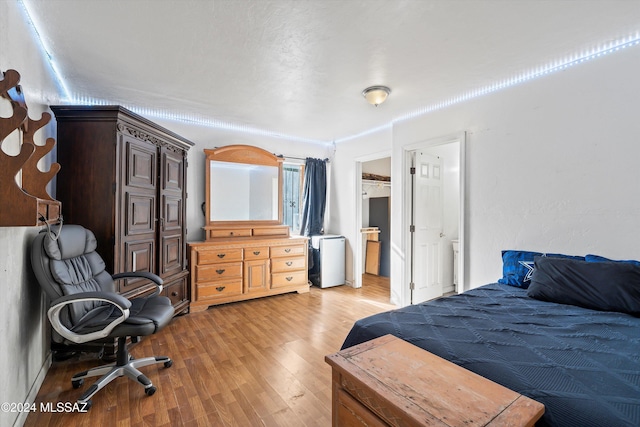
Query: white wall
pixel 551 166
pixel 23 325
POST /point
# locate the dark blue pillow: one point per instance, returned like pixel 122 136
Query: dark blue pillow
pixel 605 286
pixel 598 258
pixel 518 266
pixel 580 258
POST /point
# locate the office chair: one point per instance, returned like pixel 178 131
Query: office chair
pixel 85 307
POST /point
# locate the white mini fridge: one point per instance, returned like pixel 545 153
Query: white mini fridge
pixel 328 260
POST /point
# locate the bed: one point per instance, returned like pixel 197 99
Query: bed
pixel 580 360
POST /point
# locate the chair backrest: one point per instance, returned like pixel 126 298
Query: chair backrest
pixel 65 262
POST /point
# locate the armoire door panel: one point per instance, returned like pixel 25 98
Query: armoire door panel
pixel 139 256
pixel 172 254
pixel 140 214
pixel 141 164
pixel 172 175
pixel 172 213
pixel 171 231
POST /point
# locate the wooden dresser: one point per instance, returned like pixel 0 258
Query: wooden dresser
pixel 248 252
pixel 241 268
pixel 390 382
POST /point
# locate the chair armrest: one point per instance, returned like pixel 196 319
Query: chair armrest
pixel 53 313
pixel 145 274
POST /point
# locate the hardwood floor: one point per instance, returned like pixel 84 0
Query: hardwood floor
pixel 252 363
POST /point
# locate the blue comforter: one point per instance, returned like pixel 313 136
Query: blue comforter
pixel 583 365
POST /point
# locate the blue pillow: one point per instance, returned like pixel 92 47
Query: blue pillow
pixel 518 266
pixel 598 258
pixel 605 286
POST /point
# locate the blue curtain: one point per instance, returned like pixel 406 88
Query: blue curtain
pixel 314 197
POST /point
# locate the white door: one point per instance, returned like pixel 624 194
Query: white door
pixel 428 227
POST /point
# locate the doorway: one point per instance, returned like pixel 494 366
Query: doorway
pixel 427 225
pixel 434 201
pixel 376 221
pixel 373 195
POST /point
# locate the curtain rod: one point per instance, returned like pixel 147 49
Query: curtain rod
pixel 297 158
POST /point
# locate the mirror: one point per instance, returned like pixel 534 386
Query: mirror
pixel 243 192
pixel 243 187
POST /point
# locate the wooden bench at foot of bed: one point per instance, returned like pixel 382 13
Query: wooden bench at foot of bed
pixel 388 381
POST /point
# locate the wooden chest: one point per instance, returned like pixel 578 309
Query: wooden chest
pixel 390 382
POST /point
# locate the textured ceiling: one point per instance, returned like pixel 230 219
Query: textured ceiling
pixel 298 68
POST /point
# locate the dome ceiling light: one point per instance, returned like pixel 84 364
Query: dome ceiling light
pixel 376 95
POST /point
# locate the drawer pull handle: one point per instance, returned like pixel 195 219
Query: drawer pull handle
pixel 287 250
pixel 220 288
pixel 220 271
pixel 256 252
pixel 174 294
pixel 289 278
pixel 221 255
pixel 289 263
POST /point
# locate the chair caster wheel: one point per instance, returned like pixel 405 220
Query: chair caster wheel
pixel 149 391
pixel 168 363
pixel 86 406
pixel 77 383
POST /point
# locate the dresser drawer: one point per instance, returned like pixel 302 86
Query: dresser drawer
pixel 230 232
pixel 286 251
pixel 218 256
pixel 271 231
pixel 207 273
pixel 288 264
pixel 256 253
pixel 279 280
pixel 219 290
pixel 176 292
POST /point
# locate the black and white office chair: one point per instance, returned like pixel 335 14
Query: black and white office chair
pixel 85 306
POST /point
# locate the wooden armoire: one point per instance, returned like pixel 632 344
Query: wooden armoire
pixel 124 178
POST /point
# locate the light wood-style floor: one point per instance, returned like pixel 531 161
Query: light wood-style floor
pixel 250 363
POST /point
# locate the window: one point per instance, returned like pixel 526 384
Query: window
pixel 292 183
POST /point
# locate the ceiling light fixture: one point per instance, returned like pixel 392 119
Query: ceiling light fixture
pixel 376 95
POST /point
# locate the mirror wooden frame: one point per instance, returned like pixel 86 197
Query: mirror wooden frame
pixel 243 154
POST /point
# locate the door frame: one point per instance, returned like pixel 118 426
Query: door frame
pixel 406 203
pixel 358 255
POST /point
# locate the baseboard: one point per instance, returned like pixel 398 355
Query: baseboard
pixel 35 388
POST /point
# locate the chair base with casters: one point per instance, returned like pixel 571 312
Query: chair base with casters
pixel 125 365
